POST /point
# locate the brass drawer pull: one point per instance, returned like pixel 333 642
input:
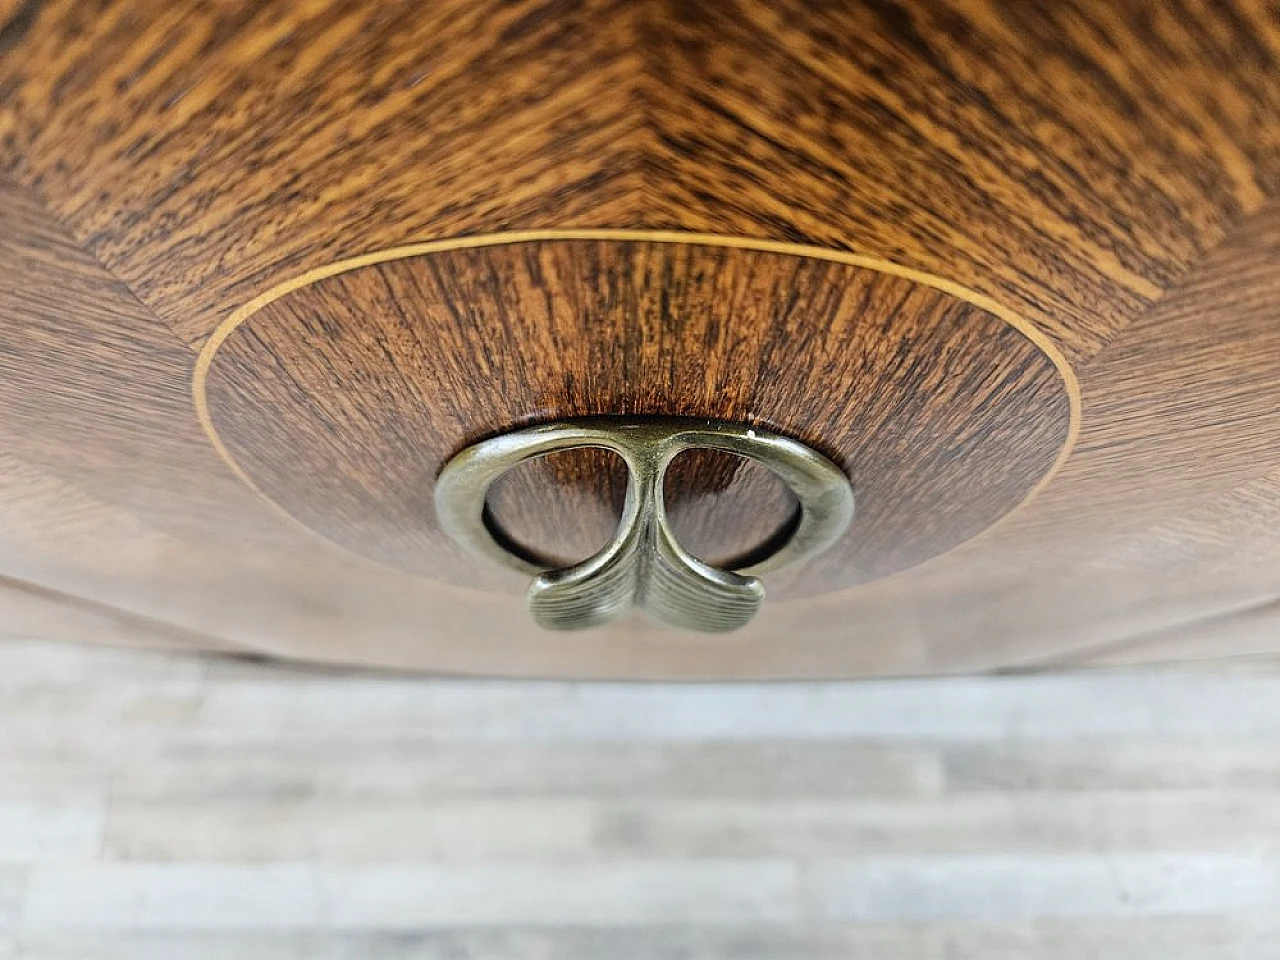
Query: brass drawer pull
pixel 644 566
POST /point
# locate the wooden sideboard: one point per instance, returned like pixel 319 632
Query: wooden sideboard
pixel 1014 268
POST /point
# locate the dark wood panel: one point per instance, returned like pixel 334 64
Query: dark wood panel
pixel 1106 170
pixel 92 386
pixel 343 398
pixel 1164 516
pixel 1071 159
pixel 306 133
pixel 1184 406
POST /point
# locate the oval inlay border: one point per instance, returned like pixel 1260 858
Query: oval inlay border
pixel 209 350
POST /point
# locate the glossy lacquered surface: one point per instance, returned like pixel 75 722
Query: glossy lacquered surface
pixel 265 267
pixel 340 396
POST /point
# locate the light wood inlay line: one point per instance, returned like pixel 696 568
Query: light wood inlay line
pixel 210 349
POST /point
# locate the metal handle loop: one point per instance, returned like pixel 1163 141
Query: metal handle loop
pixel 644 565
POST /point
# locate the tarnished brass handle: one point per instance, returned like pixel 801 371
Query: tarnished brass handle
pixel 644 565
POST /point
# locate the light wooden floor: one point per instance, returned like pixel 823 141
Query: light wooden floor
pixel 155 806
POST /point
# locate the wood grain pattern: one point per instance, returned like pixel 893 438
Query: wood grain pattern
pixel 1188 398
pixel 30 612
pixel 157 806
pixel 434 118
pixel 1070 160
pixel 1109 171
pixel 342 399
pixel 91 386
